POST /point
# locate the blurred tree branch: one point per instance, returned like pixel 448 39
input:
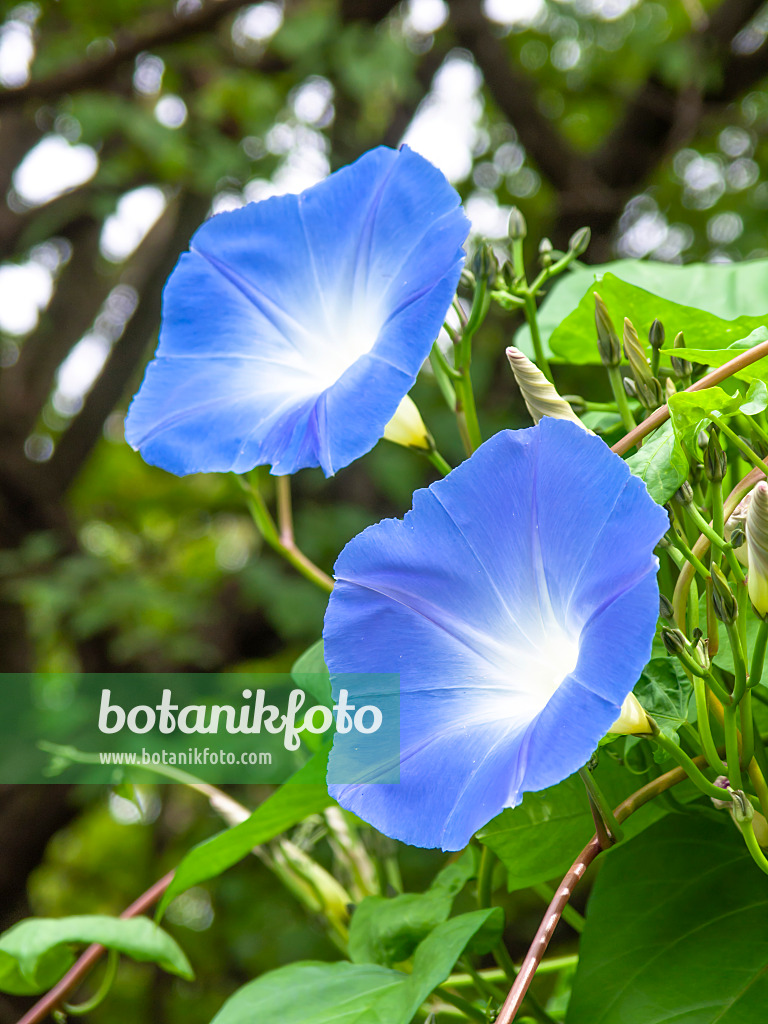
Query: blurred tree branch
pixel 150 267
pixel 97 72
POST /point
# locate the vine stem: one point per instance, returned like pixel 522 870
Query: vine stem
pixel 563 892
pixel 281 538
pixel 680 596
pixel 91 956
pixel 661 414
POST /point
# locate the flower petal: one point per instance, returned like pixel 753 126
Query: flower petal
pixel 514 657
pixel 318 309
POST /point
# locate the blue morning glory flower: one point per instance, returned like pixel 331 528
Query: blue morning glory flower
pixel 293 327
pixel 518 602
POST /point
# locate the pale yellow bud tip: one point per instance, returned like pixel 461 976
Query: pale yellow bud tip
pixel 632 721
pixel 407 427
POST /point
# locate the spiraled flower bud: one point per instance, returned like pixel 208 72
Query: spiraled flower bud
pixel 579 241
pixel 684 493
pixel 656 335
pixel 681 367
pixel 757 548
pixel 541 397
pixel 666 611
pixel 647 387
pixel 607 340
pixel 735 529
pixel 715 461
pixel 674 641
pixel 545 253
pixel 518 229
pixel 485 266
pixel 724 603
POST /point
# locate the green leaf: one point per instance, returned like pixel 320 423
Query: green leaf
pixel 665 691
pixel 539 839
pixel 717 356
pixel 386 931
pixel 714 304
pixel 660 463
pixel 692 411
pixel 677 929
pixel 344 993
pixel 436 956
pixel 316 993
pixel 36 953
pixel 305 793
pixel 311 674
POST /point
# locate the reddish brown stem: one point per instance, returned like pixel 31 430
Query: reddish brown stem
pixel 90 957
pixel 715 377
pixel 576 871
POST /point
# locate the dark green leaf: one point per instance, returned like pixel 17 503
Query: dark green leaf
pixel 660 463
pixel 665 691
pixel 677 929
pixel 386 931
pixel 315 993
pixel 539 839
pixel 305 793
pixel 36 953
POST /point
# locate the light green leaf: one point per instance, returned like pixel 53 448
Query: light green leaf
pixel 677 929
pixel 692 411
pixel 36 953
pixel 311 674
pixel 714 304
pixel 344 993
pixel 305 793
pixel 717 356
pixel 660 463
pixel 386 931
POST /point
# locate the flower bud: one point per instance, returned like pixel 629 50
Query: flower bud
pixel 741 809
pixel 666 611
pixel 757 548
pixel 724 603
pixel 684 494
pixel 607 339
pixel 518 229
pixel 656 335
pixel 407 427
pixel 545 253
pixel 632 720
pixel 541 397
pixel 722 782
pixel 630 387
pixel 647 387
pixel 674 641
pixel 681 367
pixel 579 241
pixel 700 653
pixel 485 266
pixel 715 461
pixel 735 529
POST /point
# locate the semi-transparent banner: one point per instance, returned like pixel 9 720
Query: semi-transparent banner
pixel 225 728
